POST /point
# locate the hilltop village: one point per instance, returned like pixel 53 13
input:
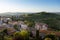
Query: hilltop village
pixel 7 23
pixel 29 27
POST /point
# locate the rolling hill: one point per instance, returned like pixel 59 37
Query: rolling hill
pixel 52 19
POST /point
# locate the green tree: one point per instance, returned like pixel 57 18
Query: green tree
pixel 8 38
pixel 23 35
pixel 16 27
pixel 51 37
pixel 30 23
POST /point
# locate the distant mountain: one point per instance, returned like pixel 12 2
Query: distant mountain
pixel 10 14
pixel 21 13
pixel 55 12
pixel 13 13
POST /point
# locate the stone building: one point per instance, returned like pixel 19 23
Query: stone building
pixel 41 26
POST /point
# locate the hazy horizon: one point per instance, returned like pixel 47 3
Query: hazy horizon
pixel 29 6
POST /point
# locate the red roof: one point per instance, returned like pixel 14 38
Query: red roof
pixel 49 32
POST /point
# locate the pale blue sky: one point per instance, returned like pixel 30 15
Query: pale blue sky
pixel 29 5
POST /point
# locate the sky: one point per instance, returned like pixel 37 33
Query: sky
pixel 29 6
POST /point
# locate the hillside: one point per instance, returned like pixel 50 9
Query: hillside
pixel 52 19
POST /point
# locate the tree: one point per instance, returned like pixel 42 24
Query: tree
pixel 5 32
pixel 16 27
pixel 23 35
pixel 50 37
pixel 30 23
pixel 8 38
pixel 37 34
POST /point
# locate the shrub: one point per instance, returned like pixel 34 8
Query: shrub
pixel 50 37
pixel 23 34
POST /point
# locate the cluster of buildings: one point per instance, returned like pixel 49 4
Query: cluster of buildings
pixel 7 23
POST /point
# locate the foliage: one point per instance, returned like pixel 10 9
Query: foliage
pixel 48 39
pixel 23 34
pixel 30 23
pixel 37 34
pixel 16 27
pixel 50 36
pixel 5 32
pixel 8 38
